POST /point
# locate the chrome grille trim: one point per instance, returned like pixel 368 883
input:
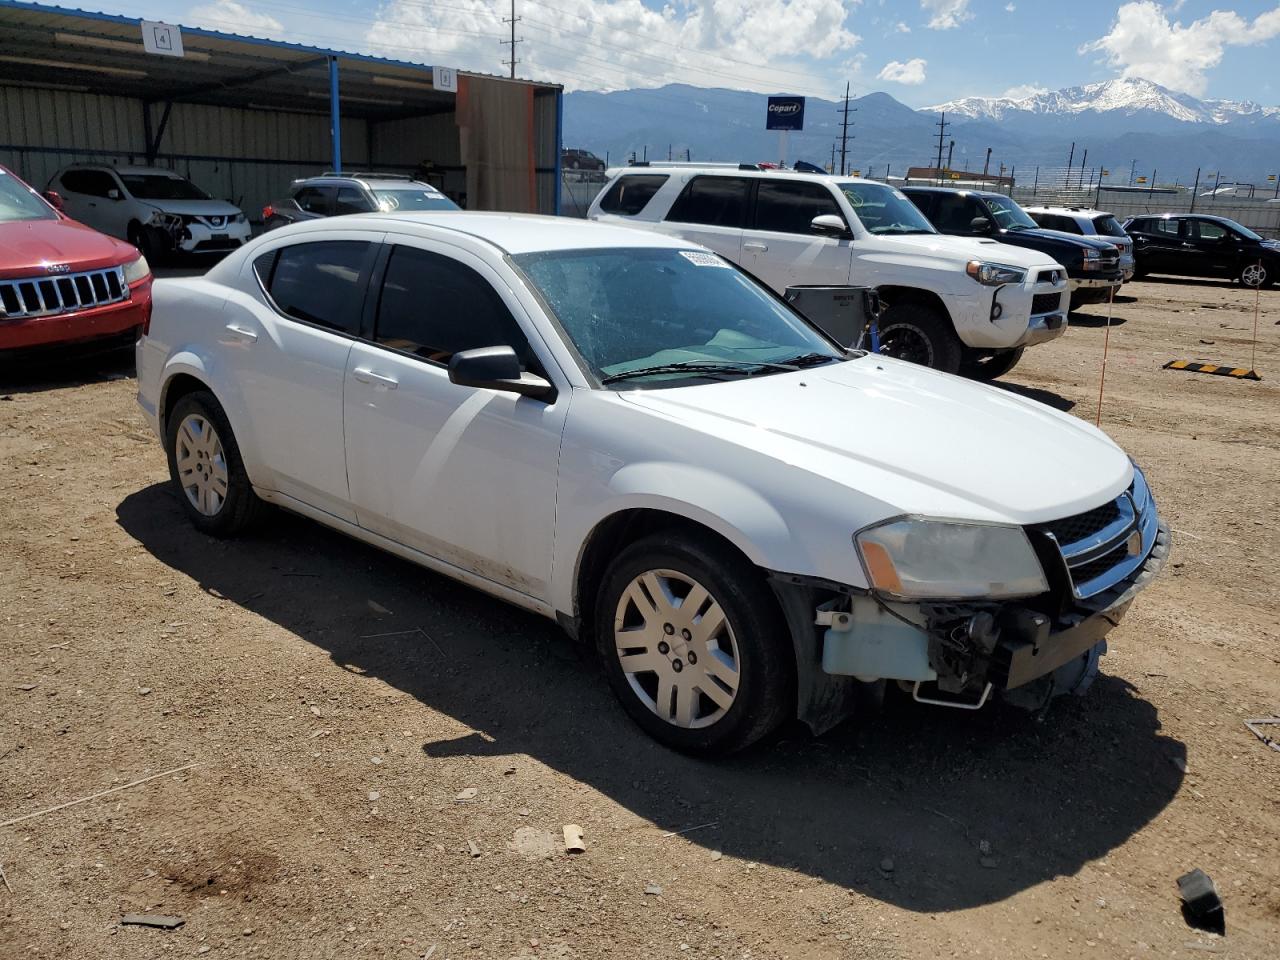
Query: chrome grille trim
pixel 1098 555
pixel 47 296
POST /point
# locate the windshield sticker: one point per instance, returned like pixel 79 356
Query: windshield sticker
pixel 699 259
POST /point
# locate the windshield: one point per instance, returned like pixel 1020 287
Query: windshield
pixel 1008 215
pixel 17 202
pixel 1241 229
pixel 883 209
pixel 412 198
pixel 1108 226
pixel 630 308
pixel 159 186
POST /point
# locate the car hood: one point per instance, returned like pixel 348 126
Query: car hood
pixel 941 244
pixel 1046 239
pixel 194 208
pixel 918 441
pixel 27 246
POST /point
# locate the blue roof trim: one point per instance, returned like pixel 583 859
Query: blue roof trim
pixel 214 34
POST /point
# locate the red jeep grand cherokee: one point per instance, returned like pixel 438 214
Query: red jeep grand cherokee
pixel 61 282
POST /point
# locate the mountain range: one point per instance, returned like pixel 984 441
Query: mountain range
pixel 1168 133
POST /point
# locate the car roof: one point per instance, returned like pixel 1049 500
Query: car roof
pixel 1087 212
pixel 962 190
pixel 1181 216
pixel 382 182
pixel 158 171
pixel 513 233
pixel 733 171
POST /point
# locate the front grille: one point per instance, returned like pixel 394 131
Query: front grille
pixel 45 296
pixel 1049 276
pixel 1103 546
pixel 1046 303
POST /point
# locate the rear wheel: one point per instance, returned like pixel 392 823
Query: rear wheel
pixel 693 644
pixel 206 469
pixel 919 334
pixel 989 366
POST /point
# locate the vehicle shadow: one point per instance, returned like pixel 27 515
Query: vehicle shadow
pixel 923 787
pixel 1095 319
pixel 1047 397
pixel 34 375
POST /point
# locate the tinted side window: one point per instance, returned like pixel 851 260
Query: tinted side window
pixel 263 266
pixel 788 206
pixel 322 282
pixel 954 212
pixel 92 183
pixel 433 306
pixel 1169 227
pixel 1210 230
pixel 716 201
pixel 630 194
pixel 350 200
pixel 1065 224
pixel 313 200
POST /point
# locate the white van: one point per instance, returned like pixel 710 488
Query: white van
pixel 958 304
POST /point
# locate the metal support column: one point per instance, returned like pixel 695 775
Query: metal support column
pixel 335 115
pixel 559 143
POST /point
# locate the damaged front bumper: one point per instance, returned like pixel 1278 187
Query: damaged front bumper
pixel 953 654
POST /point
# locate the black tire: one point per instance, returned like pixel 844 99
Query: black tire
pixel 765 693
pixel 920 334
pixel 241 508
pixel 142 239
pixel 992 365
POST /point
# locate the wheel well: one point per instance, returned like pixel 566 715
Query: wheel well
pixel 612 535
pixel 892 296
pixel 175 390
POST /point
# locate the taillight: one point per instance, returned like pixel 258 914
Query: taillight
pixel 268 212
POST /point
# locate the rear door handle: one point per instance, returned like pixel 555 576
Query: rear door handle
pixel 244 333
pixel 365 375
pixel 761 247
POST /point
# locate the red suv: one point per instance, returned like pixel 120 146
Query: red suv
pixel 62 282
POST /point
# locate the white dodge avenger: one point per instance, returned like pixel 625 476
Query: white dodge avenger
pixel 624 432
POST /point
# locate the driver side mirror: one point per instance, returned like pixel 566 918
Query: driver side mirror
pixel 980 225
pixel 830 225
pixel 497 368
pixel 113 194
pixel 55 200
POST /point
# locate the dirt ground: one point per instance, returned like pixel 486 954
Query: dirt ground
pixel 335 702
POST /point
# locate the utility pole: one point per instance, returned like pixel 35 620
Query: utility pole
pixel 844 130
pixel 513 20
pixel 1217 178
pixel 832 167
pixel 1133 165
pixel 950 151
pixel 1036 186
pixel 986 166
pixel 1071 157
pixel 1194 191
pixel 1083 161
pixel 942 138
pixel 1152 190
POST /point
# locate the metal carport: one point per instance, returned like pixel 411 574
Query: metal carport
pixel 242 116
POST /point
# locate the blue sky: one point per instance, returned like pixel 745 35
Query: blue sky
pixel 921 51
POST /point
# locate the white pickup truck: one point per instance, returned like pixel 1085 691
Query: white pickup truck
pixel 957 304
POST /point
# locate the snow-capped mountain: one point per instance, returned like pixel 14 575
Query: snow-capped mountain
pixel 1120 98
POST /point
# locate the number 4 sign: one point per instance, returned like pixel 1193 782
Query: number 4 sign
pixel 163 39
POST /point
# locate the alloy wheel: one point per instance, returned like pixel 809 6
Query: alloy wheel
pixel 906 343
pixel 202 464
pixel 1254 275
pixel 677 649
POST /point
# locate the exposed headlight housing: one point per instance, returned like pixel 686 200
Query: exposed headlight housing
pixel 136 270
pixel 915 558
pixel 994 274
pixel 167 221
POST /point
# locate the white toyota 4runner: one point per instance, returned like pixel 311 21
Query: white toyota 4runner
pixel 958 304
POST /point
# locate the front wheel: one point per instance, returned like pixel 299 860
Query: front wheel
pixel 919 334
pixel 205 467
pixel 1256 275
pixel 991 365
pixel 694 645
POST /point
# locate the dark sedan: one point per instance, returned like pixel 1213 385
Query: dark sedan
pixel 336 194
pixel 1195 245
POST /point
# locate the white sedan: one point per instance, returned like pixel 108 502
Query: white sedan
pixel 620 430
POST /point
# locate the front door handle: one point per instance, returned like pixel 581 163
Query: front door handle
pixel 244 333
pixel 759 247
pixel 365 375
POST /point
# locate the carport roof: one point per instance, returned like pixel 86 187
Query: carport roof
pixel 101 52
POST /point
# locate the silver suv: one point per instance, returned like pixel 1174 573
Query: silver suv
pixel 1084 222
pixel 336 194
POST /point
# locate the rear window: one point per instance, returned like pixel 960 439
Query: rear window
pixel 1108 226
pixel 631 193
pixel 321 282
pixel 714 201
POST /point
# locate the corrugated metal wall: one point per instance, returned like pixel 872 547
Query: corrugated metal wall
pixel 247 156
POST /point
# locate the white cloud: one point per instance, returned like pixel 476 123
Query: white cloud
pixel 1024 90
pixel 228 16
pixel 901 27
pixel 762 45
pixel 1144 43
pixel 1010 7
pixel 946 14
pixel 910 73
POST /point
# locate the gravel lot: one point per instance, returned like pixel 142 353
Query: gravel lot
pixel 336 702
